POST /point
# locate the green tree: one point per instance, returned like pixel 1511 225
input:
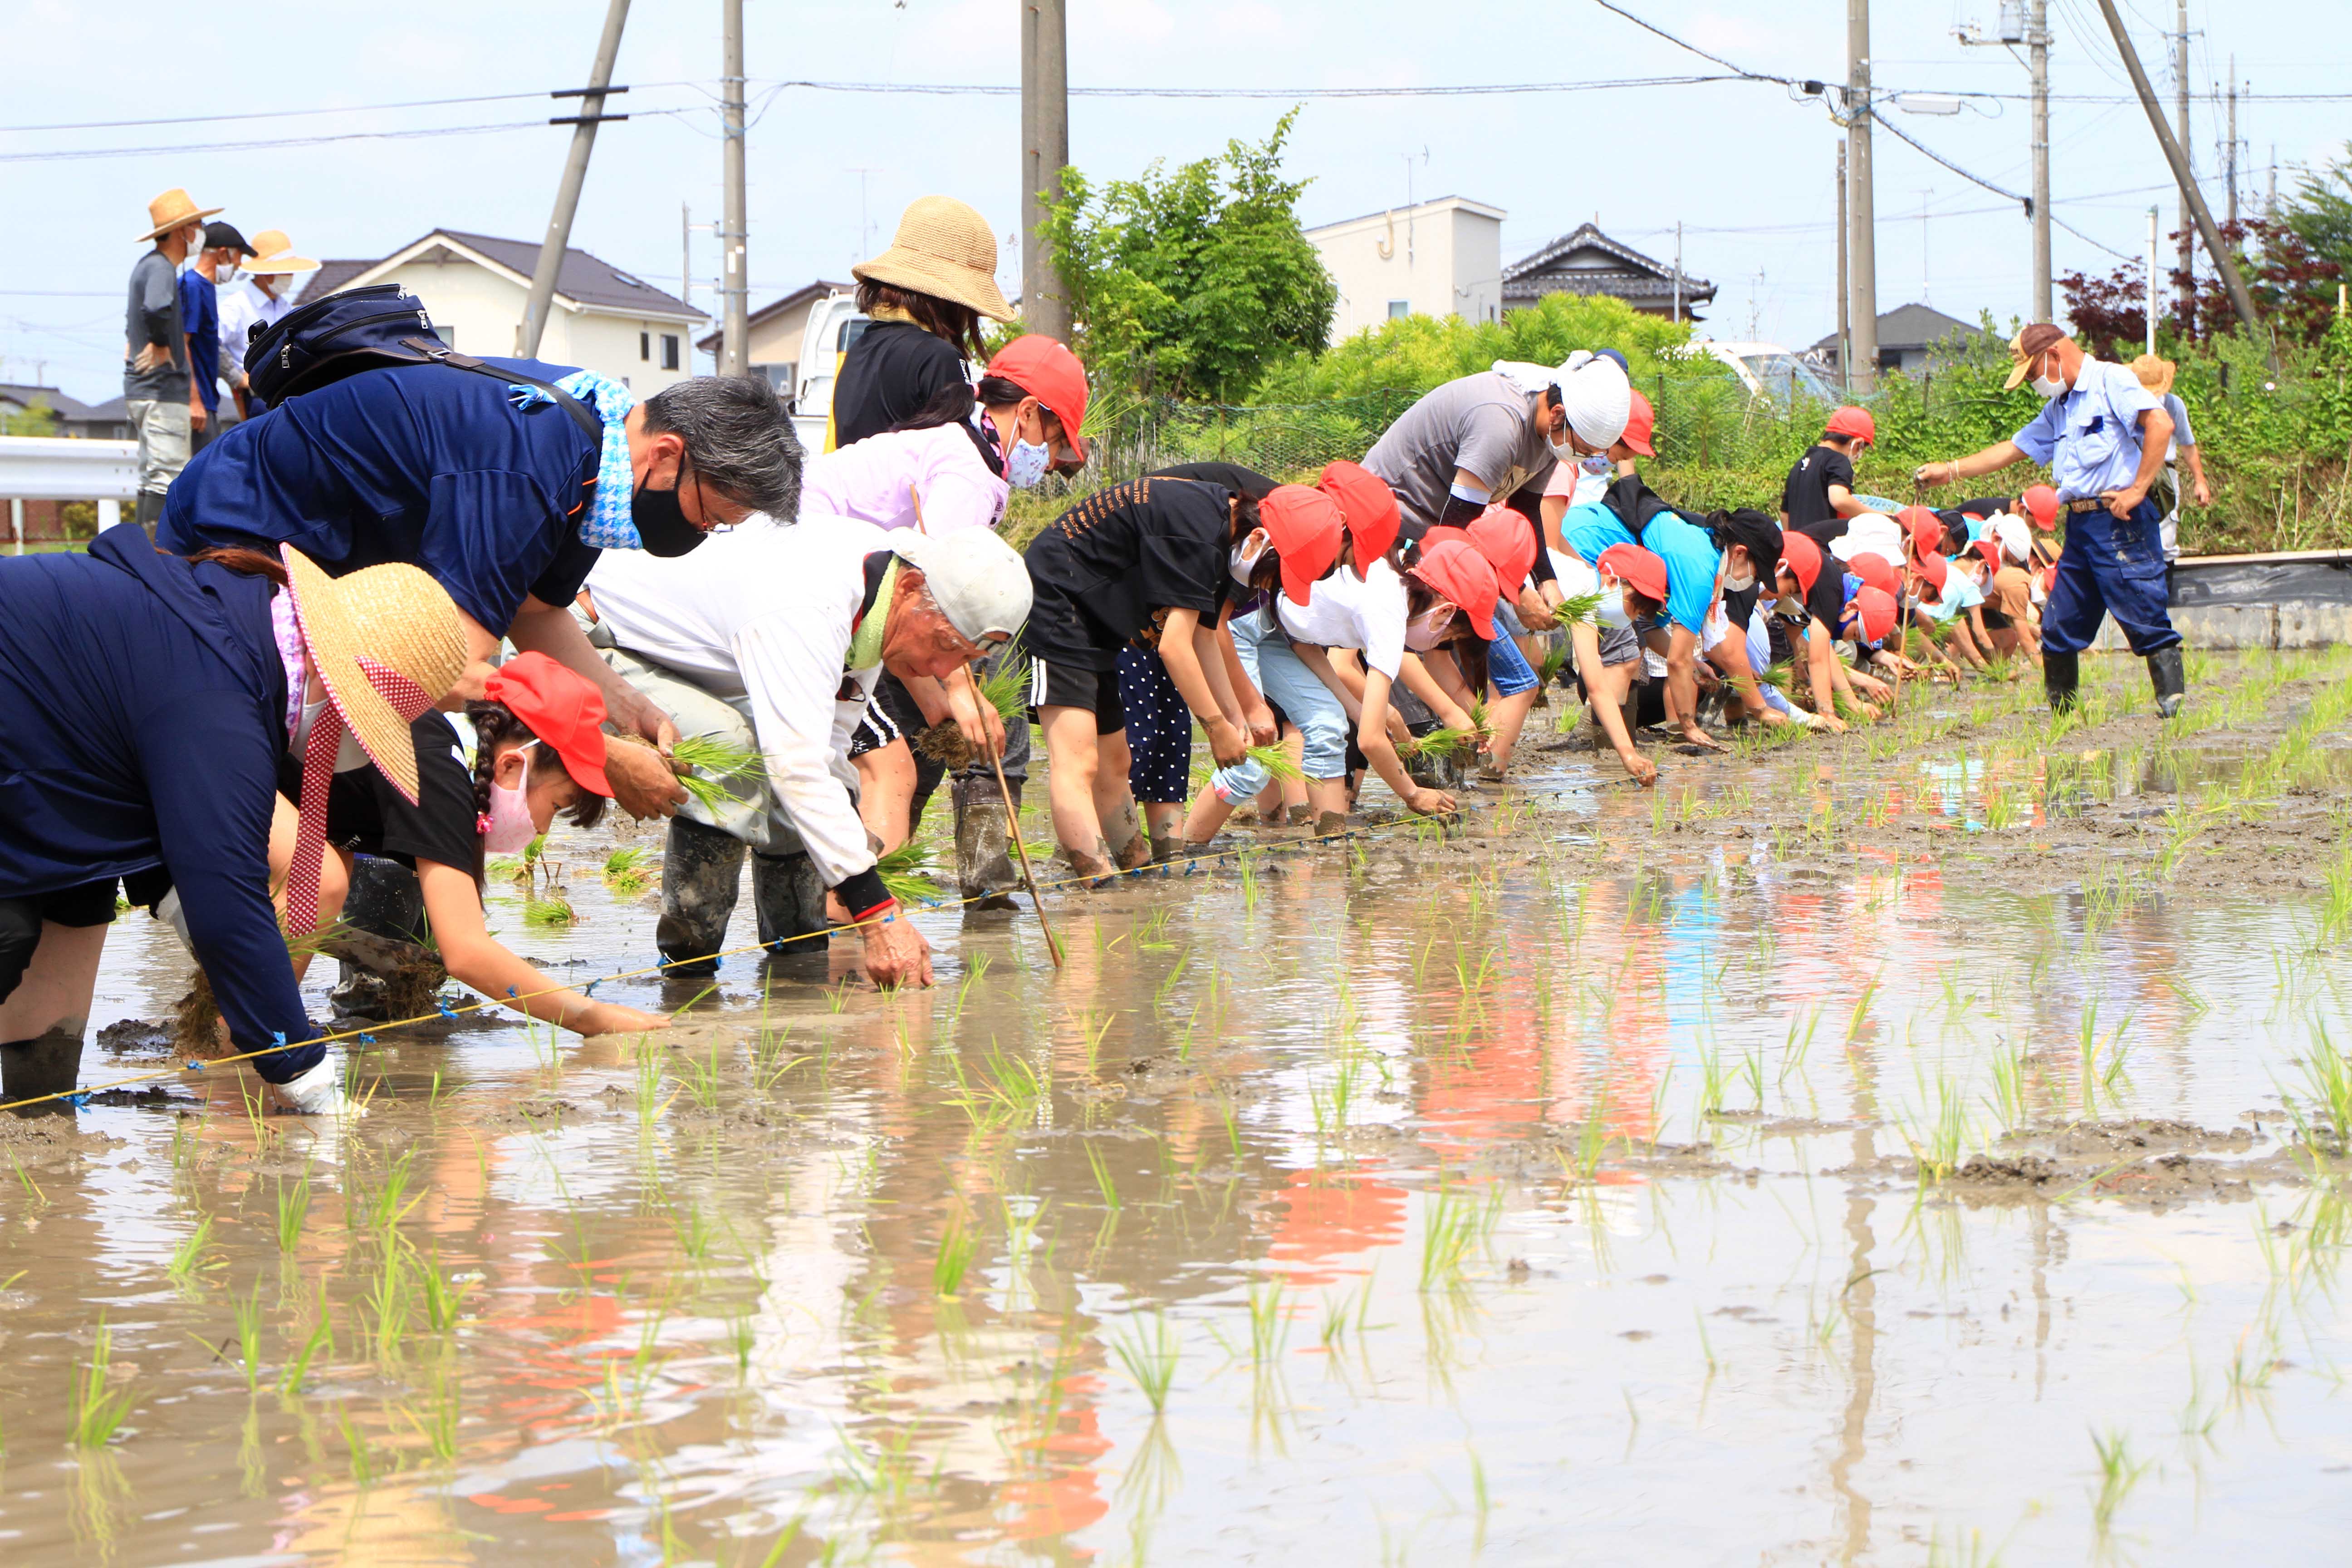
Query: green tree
pixel 1189 282
pixel 1414 353
pixel 37 419
pixel 2320 212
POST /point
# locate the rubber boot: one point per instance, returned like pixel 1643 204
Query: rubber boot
pixel 789 898
pixel 702 874
pixel 984 849
pixel 2061 674
pixel 149 513
pixel 46 1064
pixel 2169 679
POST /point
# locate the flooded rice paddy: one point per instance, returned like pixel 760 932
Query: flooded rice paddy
pixel 1915 1146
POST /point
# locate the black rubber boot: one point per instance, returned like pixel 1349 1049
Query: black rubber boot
pixel 2062 673
pixel 2169 679
pixel 789 898
pixel 46 1064
pixel 702 874
pixel 983 847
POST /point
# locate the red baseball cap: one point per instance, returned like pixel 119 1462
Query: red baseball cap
pixel 1926 529
pixel 1456 570
pixel 1934 569
pixel 1876 571
pixel 1990 548
pixel 1639 567
pixel 1507 539
pixel 1305 527
pixel 1857 422
pixel 560 707
pixel 2042 506
pixel 1367 505
pixel 1875 611
pixel 1047 370
pixel 1640 420
pixel 1799 554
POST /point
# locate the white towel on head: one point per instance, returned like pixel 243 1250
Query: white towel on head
pixel 1594 391
pixel 1532 378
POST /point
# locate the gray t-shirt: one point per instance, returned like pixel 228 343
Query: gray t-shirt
pixel 2182 435
pixel 154 317
pixel 1480 424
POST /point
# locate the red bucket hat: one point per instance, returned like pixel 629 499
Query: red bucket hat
pixel 1641 419
pixel 1855 422
pixel 1306 528
pixel 1875 611
pixel 1926 529
pixel 1639 567
pixel 1876 571
pixel 1368 506
pixel 1466 579
pixel 559 706
pixel 1047 370
pixel 1507 539
pixel 1934 570
pixel 1800 553
pixel 2042 506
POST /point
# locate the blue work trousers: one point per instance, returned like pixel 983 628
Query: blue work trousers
pixel 2114 567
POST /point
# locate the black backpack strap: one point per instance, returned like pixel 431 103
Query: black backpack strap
pixel 440 353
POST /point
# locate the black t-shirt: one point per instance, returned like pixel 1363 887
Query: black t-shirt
pixel 1247 483
pixel 890 373
pixel 366 814
pixel 1984 505
pixel 1124 553
pixel 1739 604
pixel 1805 496
pixel 1826 601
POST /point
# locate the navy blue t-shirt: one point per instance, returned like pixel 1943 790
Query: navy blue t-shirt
pixel 200 319
pixel 425 464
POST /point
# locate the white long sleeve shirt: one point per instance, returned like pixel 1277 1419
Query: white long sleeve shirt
pixel 766 612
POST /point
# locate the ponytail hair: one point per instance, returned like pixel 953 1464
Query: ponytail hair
pixel 237 559
pixel 495 725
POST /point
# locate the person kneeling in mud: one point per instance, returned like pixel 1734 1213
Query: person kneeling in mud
pixel 539 749
pixel 1632 586
pixel 1153 560
pixel 1286 644
pixel 766 644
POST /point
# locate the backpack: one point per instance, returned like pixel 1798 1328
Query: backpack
pixel 354 329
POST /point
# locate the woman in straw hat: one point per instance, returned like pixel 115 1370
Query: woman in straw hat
pixel 145 700
pixel 926 295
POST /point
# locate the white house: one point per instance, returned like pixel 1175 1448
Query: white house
pixel 1441 257
pixel 475 286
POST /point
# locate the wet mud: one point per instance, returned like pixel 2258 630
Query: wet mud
pixel 1916 1145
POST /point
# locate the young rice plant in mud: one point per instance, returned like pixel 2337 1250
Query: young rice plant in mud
pixel 1148 1353
pixel 98 1411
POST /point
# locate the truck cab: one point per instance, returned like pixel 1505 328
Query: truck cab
pixel 833 323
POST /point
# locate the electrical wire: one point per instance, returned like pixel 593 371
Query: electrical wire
pixel 297 113
pixel 84 154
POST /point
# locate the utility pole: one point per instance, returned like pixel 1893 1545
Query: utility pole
pixel 735 346
pixel 1862 208
pixel 2181 133
pixel 575 175
pixel 2242 302
pixel 1044 154
pixel 1845 316
pixel 1678 269
pixel 684 253
pixel 2151 277
pixel 2037 54
pixel 2230 162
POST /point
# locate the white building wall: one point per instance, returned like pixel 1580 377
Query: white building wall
pixel 481 311
pixel 1437 259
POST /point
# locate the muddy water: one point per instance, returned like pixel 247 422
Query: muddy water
pixel 1823 1159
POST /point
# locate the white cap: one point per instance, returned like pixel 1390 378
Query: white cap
pixel 979 582
pixel 1598 397
pixel 2016 542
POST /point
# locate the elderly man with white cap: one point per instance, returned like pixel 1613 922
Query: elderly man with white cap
pixel 771 638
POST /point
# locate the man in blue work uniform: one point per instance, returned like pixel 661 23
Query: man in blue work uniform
pixel 504 498
pixel 2103 435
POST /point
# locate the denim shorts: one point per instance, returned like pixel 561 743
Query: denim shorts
pixel 1508 668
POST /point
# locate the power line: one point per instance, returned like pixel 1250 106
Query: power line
pixel 297 113
pixel 80 153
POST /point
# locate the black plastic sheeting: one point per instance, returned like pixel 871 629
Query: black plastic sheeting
pixel 2232 583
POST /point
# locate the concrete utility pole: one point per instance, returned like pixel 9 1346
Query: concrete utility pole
pixel 2242 302
pixel 575 175
pixel 2188 151
pixel 1862 207
pixel 1845 311
pixel 2151 277
pixel 2037 55
pixel 1044 154
pixel 735 350
pixel 2230 162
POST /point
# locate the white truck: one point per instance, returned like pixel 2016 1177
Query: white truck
pixel 833 323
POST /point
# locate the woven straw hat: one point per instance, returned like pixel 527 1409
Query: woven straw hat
pixel 386 643
pixel 273 252
pixel 2155 373
pixel 944 249
pixel 174 209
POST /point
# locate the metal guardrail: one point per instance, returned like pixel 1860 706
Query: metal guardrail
pixel 48 467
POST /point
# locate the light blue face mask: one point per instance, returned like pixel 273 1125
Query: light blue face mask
pixel 1026 464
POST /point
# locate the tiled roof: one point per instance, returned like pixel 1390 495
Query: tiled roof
pixel 583 278
pixel 1587 261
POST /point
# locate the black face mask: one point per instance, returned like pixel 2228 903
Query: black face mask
pixel 661 523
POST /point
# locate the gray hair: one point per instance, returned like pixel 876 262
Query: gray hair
pixel 739 439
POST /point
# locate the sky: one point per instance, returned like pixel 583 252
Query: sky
pixel 1747 170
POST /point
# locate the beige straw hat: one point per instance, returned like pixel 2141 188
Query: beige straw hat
pixel 944 249
pixel 2155 373
pixel 388 644
pixel 174 209
pixel 273 252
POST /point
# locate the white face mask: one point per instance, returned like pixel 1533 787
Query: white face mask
pixel 224 273
pixel 1245 558
pixel 1738 581
pixel 1611 611
pixel 1025 465
pixel 2047 387
pixel 349 754
pixel 507 827
pixel 1422 632
pixel 1560 447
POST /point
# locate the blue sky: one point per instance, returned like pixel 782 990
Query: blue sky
pixel 1746 170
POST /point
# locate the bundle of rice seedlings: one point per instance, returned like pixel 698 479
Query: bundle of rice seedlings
pixel 1007 691
pixel 1276 760
pixel 552 911
pixel 944 741
pixel 1579 608
pixel 711 764
pixel 904 874
pixel 1440 742
pixel 1553 663
pixel 1780 676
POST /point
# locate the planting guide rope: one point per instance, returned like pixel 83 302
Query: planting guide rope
pixel 446 1011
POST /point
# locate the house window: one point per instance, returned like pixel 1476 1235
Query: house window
pixel 645 346
pixel 1399 309
pixel 446 333
pixel 669 351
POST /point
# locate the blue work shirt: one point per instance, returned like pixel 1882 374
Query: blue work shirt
pixel 200 319
pixel 1590 530
pixel 1693 564
pixel 143 715
pixel 2089 433
pixel 425 464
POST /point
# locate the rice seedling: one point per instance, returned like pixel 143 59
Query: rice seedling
pixel 1935 1148
pixel 1591 1141
pixel 1451 1234
pixel 1103 1179
pixel 98 1411
pixel 1007 691
pixel 1440 744
pixel 552 911
pixel 321 1337
pixel 1547 673
pixel 625 870
pixel 32 1188
pixel 247 1308
pixel 442 1295
pixel 2118 1474
pixel 957 1246
pixel 2327 1083
pixel 711 764
pixel 905 873
pixel 1148 1353
pixel 2007 1100
pixel 1714 1078
pixel 1276 760
pixel 293 1205
pixel 702 1080
pixel 193 1256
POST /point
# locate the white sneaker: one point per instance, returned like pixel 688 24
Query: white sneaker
pixel 317 1092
